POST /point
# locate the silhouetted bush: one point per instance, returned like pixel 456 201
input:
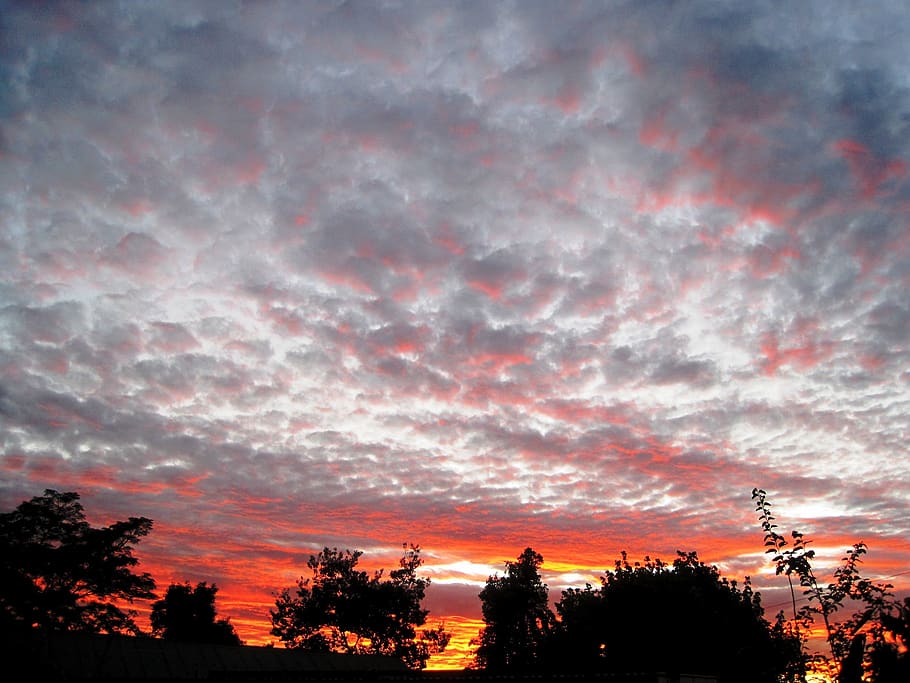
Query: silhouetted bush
pixel 187 615
pixel 518 621
pixel 343 609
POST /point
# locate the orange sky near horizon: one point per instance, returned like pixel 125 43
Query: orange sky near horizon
pixel 453 594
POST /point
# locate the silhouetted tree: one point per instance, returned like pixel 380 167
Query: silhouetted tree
pixel 890 659
pixel 679 618
pixel 517 617
pixel 59 573
pixel 859 644
pixel 187 614
pixel 343 609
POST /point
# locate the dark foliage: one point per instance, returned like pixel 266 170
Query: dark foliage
pixel 890 659
pixel 518 620
pixel 871 643
pixel 59 573
pixel 343 609
pixel 187 615
pixel 679 618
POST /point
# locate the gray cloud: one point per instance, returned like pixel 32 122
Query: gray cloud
pixel 494 275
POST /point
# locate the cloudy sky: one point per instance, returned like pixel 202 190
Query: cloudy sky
pixel 471 275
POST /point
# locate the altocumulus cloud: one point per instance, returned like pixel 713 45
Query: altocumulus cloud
pixel 473 275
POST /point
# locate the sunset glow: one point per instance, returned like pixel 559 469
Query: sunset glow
pixel 473 276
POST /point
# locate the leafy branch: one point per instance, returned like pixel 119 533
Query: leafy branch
pixel 847 640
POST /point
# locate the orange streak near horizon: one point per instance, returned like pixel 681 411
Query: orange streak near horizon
pixel 460 653
pixel 253 629
pixel 249 568
pixel 244 598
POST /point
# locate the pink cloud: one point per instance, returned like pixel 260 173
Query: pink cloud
pixel 872 174
pixel 172 338
pixel 137 254
pixel 490 288
pixel 655 133
pixel 803 357
pixel 350 280
pixel 139 207
pixel 568 99
pixel 636 63
pixel 60 416
pixel 284 319
pixel 446 239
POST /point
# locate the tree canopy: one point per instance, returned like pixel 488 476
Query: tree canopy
pixel 517 618
pixel 343 609
pixel 187 614
pixel 57 572
pixel 679 618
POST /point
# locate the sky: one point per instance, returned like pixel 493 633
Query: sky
pixel 476 276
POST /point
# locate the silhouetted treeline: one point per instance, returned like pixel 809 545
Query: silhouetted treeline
pixel 676 618
pixel 58 573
